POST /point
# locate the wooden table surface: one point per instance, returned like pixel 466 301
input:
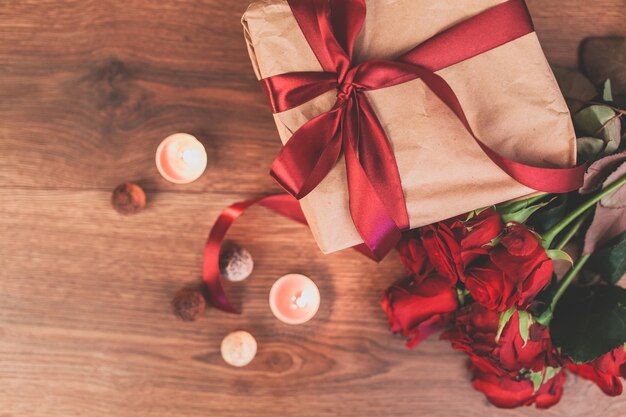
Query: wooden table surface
pixel 88 88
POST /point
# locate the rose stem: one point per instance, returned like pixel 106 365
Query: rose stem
pixel 567 280
pixel 549 236
pixel 517 205
pixel 574 229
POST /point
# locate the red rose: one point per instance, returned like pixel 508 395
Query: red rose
pixel 525 261
pixel 490 287
pixel 517 269
pixel 443 249
pixel 605 371
pixel 509 392
pixel 477 233
pixel 500 369
pixel 417 309
pixel 475 333
pixel 413 256
pixel 452 245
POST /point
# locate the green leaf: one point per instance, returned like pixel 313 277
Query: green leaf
pixel 475 213
pixel 613 139
pixel 550 373
pixel 516 205
pixel 461 295
pixel 541 377
pixel 589 322
pixel 537 380
pixel 600 121
pixel 607 93
pixel 610 261
pixel 525 320
pixel 605 58
pixel 576 88
pixel 591 119
pixel 521 211
pixel 559 255
pixel 505 317
pixel 545 219
pixel 589 149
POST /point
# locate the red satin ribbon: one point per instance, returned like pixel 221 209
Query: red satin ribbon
pixel 283 204
pixel 351 127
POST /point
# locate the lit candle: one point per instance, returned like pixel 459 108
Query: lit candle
pixel 181 158
pixel 294 299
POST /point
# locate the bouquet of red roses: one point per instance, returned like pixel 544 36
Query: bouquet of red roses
pixel 491 278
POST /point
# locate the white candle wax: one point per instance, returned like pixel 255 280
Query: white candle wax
pixel 181 158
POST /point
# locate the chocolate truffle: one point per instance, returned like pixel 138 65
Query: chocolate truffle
pixel 188 304
pixel 128 198
pixel 238 348
pixel 236 263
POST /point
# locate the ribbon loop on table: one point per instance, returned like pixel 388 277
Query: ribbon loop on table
pixel 351 127
pixel 283 204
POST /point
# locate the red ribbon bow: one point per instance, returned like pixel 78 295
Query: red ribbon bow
pixel 376 199
pixel 377 203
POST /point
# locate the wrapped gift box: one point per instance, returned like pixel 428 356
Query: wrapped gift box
pixel 509 94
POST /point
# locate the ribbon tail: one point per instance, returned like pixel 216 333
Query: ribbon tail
pixel 286 205
pixel 549 180
pixel 376 74
pixel 309 155
pixel 379 162
pixel 210 262
pixel 283 204
pixel 371 219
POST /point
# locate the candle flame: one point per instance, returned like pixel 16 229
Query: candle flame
pixel 301 300
pixel 191 157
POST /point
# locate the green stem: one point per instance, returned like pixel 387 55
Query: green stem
pixel 573 230
pixel 549 236
pixel 567 280
pixel 522 204
pixel 535 199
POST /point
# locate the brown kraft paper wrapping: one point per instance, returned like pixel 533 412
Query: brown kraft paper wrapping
pixel 509 94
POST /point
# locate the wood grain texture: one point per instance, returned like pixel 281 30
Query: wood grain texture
pixel 88 88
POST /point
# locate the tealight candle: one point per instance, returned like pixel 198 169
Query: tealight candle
pixel 294 299
pixel 181 158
